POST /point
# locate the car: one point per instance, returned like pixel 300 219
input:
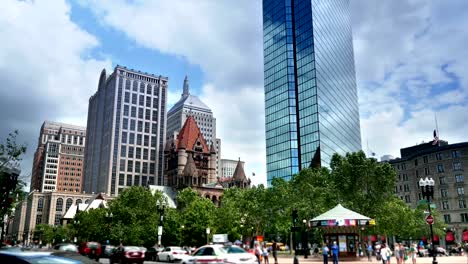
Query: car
pixel 171 254
pixel 32 257
pixel 127 254
pixel 90 249
pixel 222 254
pixel 106 251
pixel 69 247
pixel 152 252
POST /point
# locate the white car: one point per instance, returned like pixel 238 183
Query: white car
pixel 171 254
pixel 221 254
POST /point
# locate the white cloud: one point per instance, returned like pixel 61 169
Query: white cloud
pixel 43 71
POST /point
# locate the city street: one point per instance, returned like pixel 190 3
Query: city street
pixel 289 260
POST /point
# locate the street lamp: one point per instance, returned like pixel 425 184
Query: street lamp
pixel 160 206
pixel 77 224
pixel 305 238
pixel 109 217
pixel 182 235
pixel 427 189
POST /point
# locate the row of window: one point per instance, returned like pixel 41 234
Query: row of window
pixel 446 204
pixel 437 156
pixel 463 218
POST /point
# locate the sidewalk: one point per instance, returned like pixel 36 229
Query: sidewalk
pixel 424 260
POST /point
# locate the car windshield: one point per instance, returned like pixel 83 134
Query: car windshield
pixel 233 250
pixel 93 245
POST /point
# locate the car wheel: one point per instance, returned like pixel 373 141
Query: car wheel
pixel 169 259
pixel 157 258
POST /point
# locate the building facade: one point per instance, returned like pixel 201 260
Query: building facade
pixel 43 208
pixel 311 104
pixel 126 131
pixel 191 105
pixel 59 157
pixel 446 164
pixel 190 162
pixel 228 167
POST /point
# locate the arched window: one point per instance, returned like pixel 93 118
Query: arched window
pixel 68 204
pixel 40 204
pixel 78 201
pixel 87 201
pixel 59 204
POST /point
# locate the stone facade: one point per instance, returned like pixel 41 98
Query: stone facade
pixel 190 162
pixel 447 165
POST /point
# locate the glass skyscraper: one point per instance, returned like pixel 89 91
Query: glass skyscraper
pixel 311 104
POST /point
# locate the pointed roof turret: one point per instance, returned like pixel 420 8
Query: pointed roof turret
pixel 190 168
pixel 190 135
pixel 239 174
pixel 186 92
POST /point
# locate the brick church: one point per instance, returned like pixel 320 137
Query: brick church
pixel 190 162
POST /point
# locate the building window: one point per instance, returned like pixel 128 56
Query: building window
pixel 464 217
pixel 130 166
pixel 440 168
pixel 57 219
pixel 38 219
pixel 405 176
pixel 68 204
pixel 438 156
pixel 459 178
pixel 457 166
pixel 456 154
pixel 417 173
pixel 129 180
pixel 59 204
pixel 461 190
pixel 403 165
pixel 121 179
pixel 407 188
pixel 416 162
pixel 427 171
pixel 443 193
pixel 40 204
pixel 445 205
pixel 78 201
pixel 462 204
pixel 425 159
pixel 447 219
pixel 407 198
pixel 442 180
pixel 138 153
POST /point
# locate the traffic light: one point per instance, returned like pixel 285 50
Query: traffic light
pixel 294 216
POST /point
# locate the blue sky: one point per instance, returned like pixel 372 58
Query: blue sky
pixel 410 59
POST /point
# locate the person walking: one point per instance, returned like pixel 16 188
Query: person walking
pixel 369 252
pixel 258 252
pixel 274 249
pixel 334 249
pixel 397 253
pixel 265 255
pixel 384 253
pixel 325 252
pixel 413 252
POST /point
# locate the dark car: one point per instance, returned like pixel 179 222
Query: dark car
pixel 106 251
pixel 90 249
pixel 152 252
pixel 127 254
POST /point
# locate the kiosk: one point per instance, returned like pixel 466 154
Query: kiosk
pixel 343 226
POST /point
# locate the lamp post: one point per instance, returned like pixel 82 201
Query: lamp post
pixel 427 189
pixel 305 239
pixel 109 217
pixel 77 224
pixel 160 206
pixel 182 227
pixel 208 231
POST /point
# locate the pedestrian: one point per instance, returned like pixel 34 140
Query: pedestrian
pixel 389 254
pixel 258 252
pixel 274 249
pixel 369 252
pixel 413 252
pixel 334 249
pixel 265 255
pixel 325 252
pixel 397 253
pixel 403 254
pixel 384 253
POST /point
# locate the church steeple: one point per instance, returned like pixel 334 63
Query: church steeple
pixel 186 92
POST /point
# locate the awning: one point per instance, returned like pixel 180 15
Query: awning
pixel 465 236
pixel 340 216
pixel 449 237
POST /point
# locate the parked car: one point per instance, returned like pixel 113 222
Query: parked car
pixel 152 252
pixel 127 254
pixel 106 251
pixel 171 254
pixel 221 254
pixel 69 247
pixel 90 249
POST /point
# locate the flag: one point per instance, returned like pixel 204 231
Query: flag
pixel 436 138
pixel 253 173
pixel 373 154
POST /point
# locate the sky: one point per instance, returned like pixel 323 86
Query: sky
pixel 410 59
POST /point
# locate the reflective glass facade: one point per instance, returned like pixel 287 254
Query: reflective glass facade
pixel 311 104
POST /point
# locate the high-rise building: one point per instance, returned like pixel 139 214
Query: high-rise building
pixel 190 104
pixel 446 164
pixel 126 131
pixel 311 104
pixel 228 167
pixel 59 157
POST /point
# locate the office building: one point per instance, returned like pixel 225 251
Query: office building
pixel 311 103
pixel 191 105
pixel 229 166
pixel 446 164
pixel 58 160
pixel 126 131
